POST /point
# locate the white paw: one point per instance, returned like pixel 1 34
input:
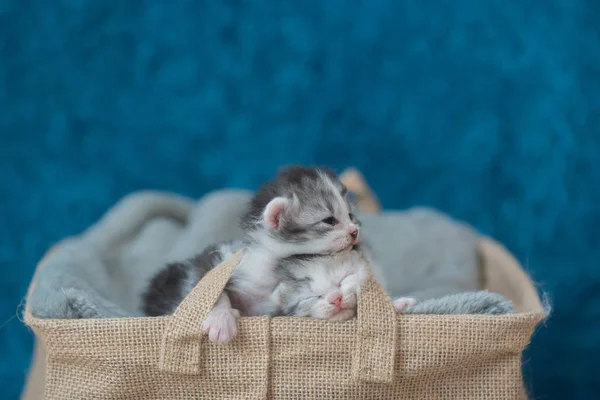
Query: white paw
pixel 220 325
pixel 402 303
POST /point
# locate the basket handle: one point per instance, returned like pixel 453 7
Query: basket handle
pixel 376 328
pixel 373 359
pixel 182 337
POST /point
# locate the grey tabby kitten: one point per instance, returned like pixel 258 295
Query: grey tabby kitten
pixel 304 210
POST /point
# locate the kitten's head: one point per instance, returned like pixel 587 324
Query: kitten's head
pixel 324 287
pixel 304 210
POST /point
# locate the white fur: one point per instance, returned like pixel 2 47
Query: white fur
pixel 402 303
pixel 257 267
pixel 254 293
pixel 330 276
pixel 220 323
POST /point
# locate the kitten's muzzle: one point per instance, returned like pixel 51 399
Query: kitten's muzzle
pixel 342 314
pixel 335 299
pixel 353 232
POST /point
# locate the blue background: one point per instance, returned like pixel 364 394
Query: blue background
pixel 488 110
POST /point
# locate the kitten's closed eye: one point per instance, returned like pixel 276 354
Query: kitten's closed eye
pixel 330 221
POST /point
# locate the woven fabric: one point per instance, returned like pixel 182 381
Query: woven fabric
pixel 180 351
pixel 375 335
pixel 377 355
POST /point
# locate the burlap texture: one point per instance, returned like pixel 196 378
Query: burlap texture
pixel 376 356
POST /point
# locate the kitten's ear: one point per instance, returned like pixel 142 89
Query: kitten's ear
pixel 274 211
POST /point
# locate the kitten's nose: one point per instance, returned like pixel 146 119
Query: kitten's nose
pixel 353 231
pixel 335 299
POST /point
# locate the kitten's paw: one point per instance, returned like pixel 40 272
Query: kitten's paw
pixel 220 325
pixel 402 303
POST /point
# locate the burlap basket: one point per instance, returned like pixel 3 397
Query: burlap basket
pixel 377 355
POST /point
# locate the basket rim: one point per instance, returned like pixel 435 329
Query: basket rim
pixel 59 324
pixel 495 261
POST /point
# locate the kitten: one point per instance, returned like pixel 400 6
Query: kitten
pixel 325 286
pixel 304 210
pixel 301 243
pixel 320 286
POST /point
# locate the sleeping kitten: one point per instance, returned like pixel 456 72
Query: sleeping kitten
pixel 325 286
pixel 320 286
